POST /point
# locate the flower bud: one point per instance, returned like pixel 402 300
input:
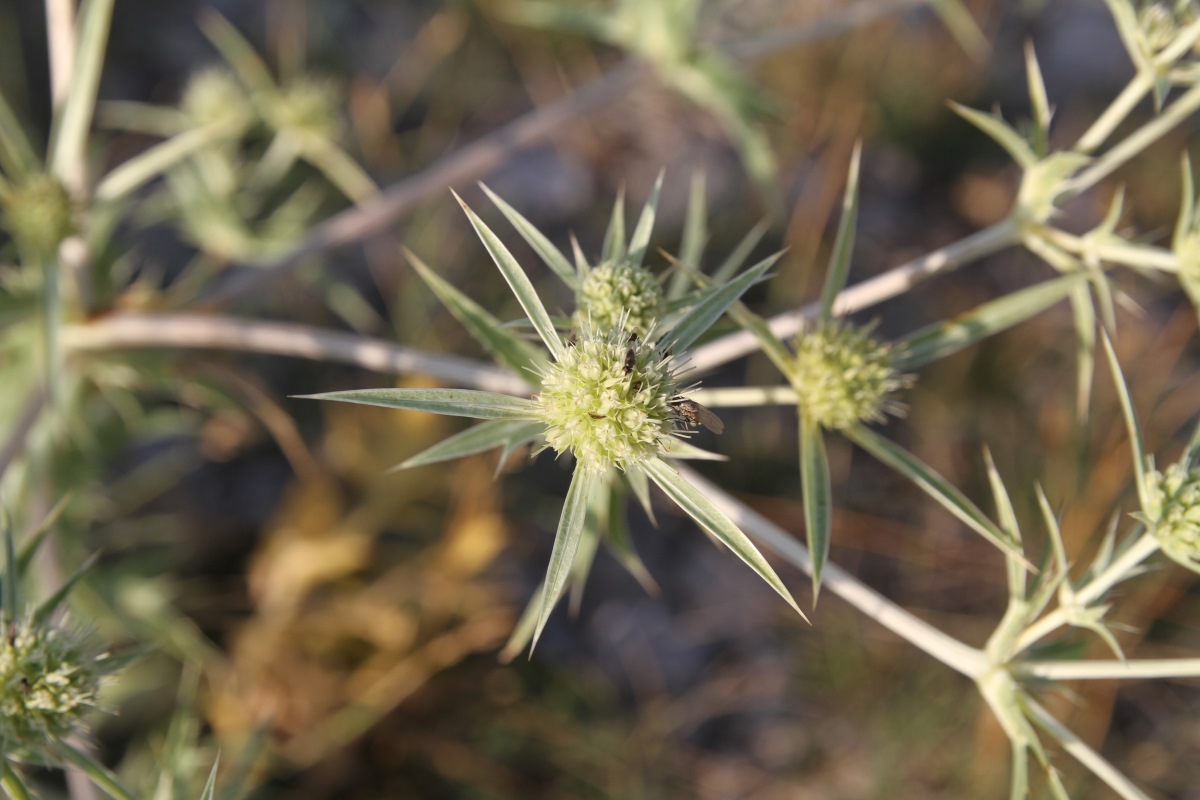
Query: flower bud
pixel 844 377
pixel 1172 513
pixel 619 290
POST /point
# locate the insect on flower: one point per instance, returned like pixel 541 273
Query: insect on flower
pixel 695 414
pixel 631 353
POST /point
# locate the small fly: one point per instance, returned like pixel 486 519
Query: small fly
pixel 695 414
pixel 631 354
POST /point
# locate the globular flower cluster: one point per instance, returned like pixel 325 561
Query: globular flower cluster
pixel 307 107
pixel 37 213
pixel 214 95
pixel 616 291
pixel 47 682
pixel 608 399
pixel 1160 22
pixel 842 376
pixel 1172 512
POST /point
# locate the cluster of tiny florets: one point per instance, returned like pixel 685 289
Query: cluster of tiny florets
pixel 616 291
pixel 37 213
pixel 608 399
pixel 47 682
pixel 214 95
pixel 842 376
pixel 1172 512
pixel 1160 22
pixel 308 107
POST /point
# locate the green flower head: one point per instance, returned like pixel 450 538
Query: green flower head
pixel 608 399
pixel 47 682
pixel 38 214
pixel 214 95
pixel 843 376
pixel 308 108
pixel 1172 512
pixel 616 291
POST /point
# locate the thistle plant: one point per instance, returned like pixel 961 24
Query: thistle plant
pixel 609 398
pixel 611 389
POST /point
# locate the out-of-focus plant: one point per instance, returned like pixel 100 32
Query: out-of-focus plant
pixel 236 168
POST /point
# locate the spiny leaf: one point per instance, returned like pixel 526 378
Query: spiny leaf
pixel 709 517
pixel 550 255
pixel 818 498
pixel 453 402
pixel 1136 442
pixel 843 246
pixel 640 241
pixel 715 302
pixel 518 281
pixel 505 433
pixel 614 237
pixel 566 542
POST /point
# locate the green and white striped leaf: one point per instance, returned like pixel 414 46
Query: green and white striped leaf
pixel 733 262
pixel 683 449
pixel 818 498
pixel 153 162
pixel 714 302
pixel 614 237
pixel 452 402
pixel 695 236
pixel 640 241
pixel 843 245
pixel 946 338
pixel 551 255
pixel 934 485
pixel 566 542
pixel 486 329
pixel 518 281
pixel 52 603
pixel 1000 132
pixel 13 783
pixel 711 518
pixel 96 772
pixel 595 523
pixel 506 433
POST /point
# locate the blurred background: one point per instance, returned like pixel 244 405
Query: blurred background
pixel 343 623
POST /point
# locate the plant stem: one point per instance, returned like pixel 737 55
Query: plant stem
pixel 1137 141
pixel 484 155
pixel 1108 670
pixel 1116 113
pixel 865 294
pixel 945 648
pixel 1117 571
pixel 60 40
pixel 745 396
pixel 126 331
pixel 1082 753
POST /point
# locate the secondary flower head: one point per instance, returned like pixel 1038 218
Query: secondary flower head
pixel 607 399
pixel 1172 512
pixel 47 682
pixel 37 213
pixel 843 376
pixel 616 291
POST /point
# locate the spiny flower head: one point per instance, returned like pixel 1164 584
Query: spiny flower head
pixel 616 291
pixel 1172 512
pixel 214 95
pixel 47 682
pixel 38 214
pixel 307 107
pixel 607 399
pixel 843 376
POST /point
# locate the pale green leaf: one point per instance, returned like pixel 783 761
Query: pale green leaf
pixel 1038 100
pixel 1136 443
pixel 96 772
pixel 17 157
pixel 550 255
pixel 962 27
pixel 1000 132
pixel 945 338
pixel 506 433
pixel 640 486
pixel 934 485
pixel 518 281
pixel 614 237
pixel 510 350
pixel 158 159
pixel 1187 218
pixel 712 304
pixel 617 538
pixel 453 402
pixel 246 63
pixel 695 236
pixel 566 542
pixel 818 498
pixel 711 518
pixel 210 786
pixel 640 241
pixel 738 256
pixel 13 782
pixel 681 448
pixel 523 631
pixel 1008 523
pixel 594 524
pixel 69 132
pixel 1084 314
pixel 843 245
pixel 11 574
